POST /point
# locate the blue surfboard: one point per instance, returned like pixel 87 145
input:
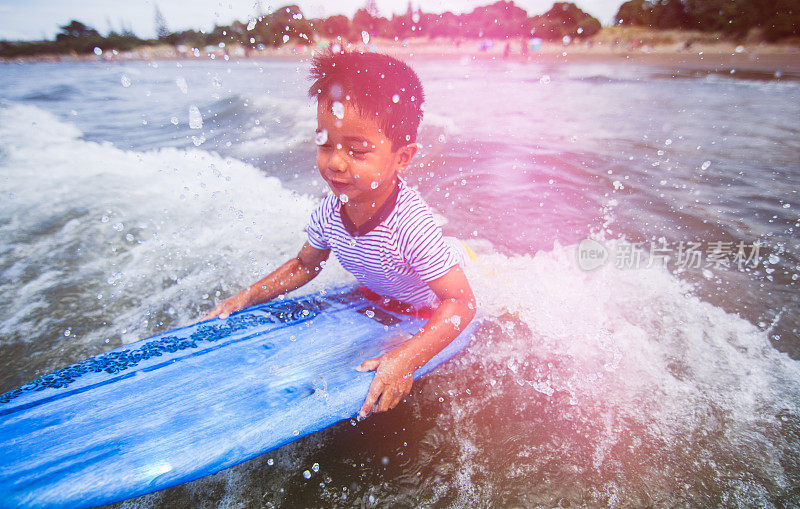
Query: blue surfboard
pixel 195 400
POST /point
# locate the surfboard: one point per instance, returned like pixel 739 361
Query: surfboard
pixel 194 400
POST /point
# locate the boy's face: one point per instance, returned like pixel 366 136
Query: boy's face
pixel 355 157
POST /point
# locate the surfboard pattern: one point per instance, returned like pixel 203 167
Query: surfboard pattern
pixel 195 400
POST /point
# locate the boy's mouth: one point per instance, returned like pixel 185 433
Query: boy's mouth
pixel 339 186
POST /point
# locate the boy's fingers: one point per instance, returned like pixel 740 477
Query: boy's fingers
pixel 372 396
pixel 386 399
pixel 369 365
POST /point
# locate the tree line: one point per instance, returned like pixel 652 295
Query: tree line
pixel 775 19
pixel 287 25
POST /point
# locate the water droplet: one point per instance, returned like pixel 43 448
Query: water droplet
pixel 544 80
pixel 198 140
pixel 67 332
pixel 182 85
pixel 338 109
pixel 441 400
pixel 195 118
pixel 322 137
pixel 365 36
pixel 315 467
pixel 118 227
pixel 442 139
pixel 385 461
pixel 370 313
pixel 98 51
pixel 395 98
pixel 174 120
pixel 344 198
pixel 251 25
pixel 270 462
pixel 285 38
pixel 307 474
pixel 705 165
pixel 374 185
pixel 668 142
pixel 125 80
pixel 773 259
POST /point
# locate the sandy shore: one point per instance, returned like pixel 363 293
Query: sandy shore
pixel 708 55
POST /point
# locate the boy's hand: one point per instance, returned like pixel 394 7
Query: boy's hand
pixel 226 307
pixel 393 380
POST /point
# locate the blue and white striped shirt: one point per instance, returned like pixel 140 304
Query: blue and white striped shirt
pixel 395 254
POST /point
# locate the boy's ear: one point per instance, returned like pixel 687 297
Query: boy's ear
pixel 404 156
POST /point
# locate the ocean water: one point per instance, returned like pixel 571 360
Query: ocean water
pixel 133 196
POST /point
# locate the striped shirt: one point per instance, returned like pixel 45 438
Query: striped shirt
pixel 395 254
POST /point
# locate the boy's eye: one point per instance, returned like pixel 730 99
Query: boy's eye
pixel 357 152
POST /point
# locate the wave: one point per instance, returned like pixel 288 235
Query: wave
pixel 609 387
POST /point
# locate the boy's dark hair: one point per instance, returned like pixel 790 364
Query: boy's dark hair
pixel 378 85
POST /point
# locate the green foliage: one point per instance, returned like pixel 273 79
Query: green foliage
pixel 502 19
pixel 498 20
pixel 775 18
pixel 286 21
pixel 335 26
pixel 563 19
pixel 162 32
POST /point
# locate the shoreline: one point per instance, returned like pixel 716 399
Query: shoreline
pixel 715 57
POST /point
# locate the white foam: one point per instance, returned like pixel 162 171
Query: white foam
pixel 627 357
pixel 154 230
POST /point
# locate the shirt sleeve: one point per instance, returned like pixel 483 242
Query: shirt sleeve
pixel 314 230
pixel 426 250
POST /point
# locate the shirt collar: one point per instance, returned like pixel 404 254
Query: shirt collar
pixel 380 215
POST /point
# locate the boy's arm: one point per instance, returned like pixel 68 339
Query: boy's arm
pixel 395 369
pixel 291 275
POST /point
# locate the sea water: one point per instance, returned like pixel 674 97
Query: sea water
pixel 655 364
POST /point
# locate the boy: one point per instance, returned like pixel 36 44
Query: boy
pixel 368 112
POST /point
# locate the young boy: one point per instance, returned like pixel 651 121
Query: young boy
pixel 368 112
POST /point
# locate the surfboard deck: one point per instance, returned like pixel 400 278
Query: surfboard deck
pixel 194 400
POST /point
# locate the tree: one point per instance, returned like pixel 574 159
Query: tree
pixel 500 19
pixel 653 13
pixel 78 37
pixel 335 26
pixel 633 13
pixel 74 30
pixel 372 8
pixel 162 32
pixel 285 24
pixel 561 20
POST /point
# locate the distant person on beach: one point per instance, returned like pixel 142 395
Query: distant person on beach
pixel 369 107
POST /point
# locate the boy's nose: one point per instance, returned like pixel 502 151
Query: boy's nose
pixel 337 162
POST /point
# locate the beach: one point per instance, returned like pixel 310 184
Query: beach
pixel 677 49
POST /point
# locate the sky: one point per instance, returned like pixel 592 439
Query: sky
pixel 41 19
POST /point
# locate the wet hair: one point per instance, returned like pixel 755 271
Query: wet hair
pixel 377 85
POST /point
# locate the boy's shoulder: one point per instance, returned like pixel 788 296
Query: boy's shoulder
pixel 327 206
pixel 411 211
